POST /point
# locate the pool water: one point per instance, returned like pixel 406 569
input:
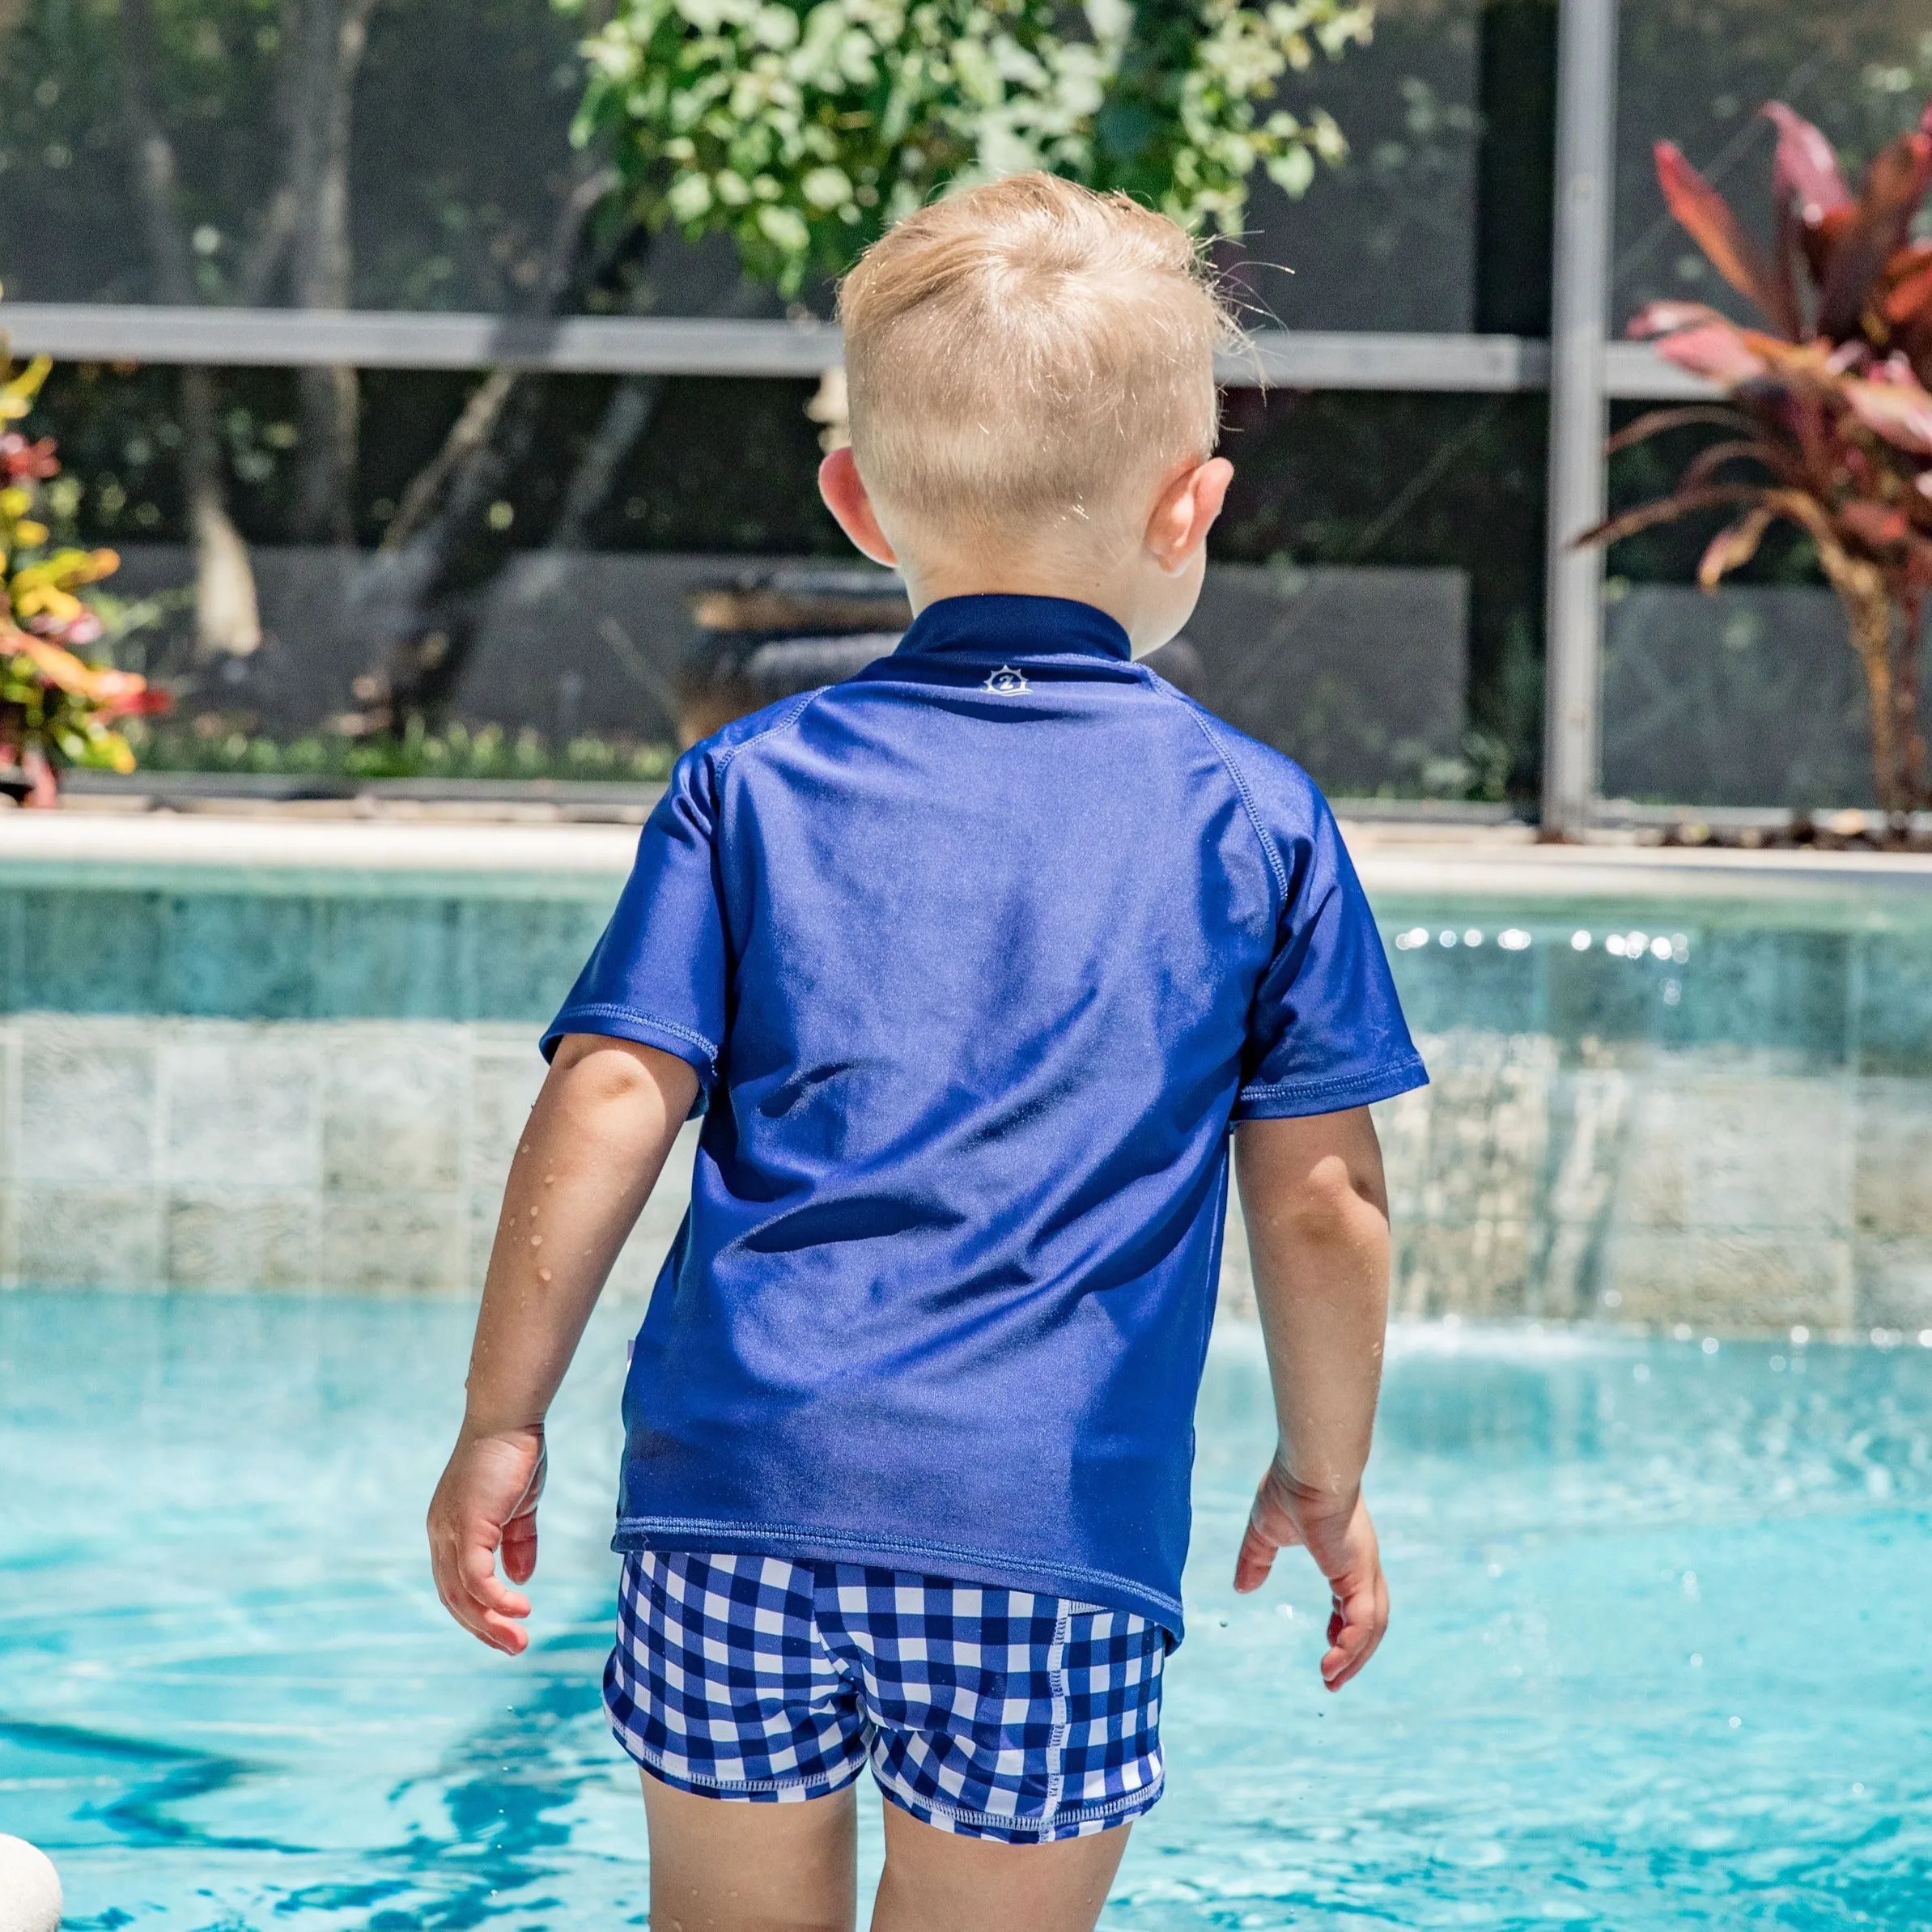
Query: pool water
pixel 1658 1657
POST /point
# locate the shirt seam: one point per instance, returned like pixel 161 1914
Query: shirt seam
pixel 698 1525
pixel 1339 1083
pixel 724 757
pixel 1234 773
pixel 606 1009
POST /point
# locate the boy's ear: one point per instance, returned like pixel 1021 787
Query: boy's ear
pixel 840 485
pixel 1184 513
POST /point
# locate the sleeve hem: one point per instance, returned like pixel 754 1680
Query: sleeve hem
pixel 620 1023
pixel 1294 1099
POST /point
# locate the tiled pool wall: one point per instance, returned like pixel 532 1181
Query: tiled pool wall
pixel 1716 1115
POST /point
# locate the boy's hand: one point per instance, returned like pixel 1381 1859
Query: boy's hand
pixel 488 1500
pixel 1341 1539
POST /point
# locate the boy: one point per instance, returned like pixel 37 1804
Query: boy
pixel 969 962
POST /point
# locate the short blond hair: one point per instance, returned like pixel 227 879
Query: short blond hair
pixel 1026 354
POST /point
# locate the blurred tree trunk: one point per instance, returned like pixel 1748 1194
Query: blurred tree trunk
pixel 419 630
pixel 327 39
pixel 226 618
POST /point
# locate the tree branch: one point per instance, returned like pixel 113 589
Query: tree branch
pixel 227 618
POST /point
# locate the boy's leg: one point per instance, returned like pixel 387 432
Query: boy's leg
pixel 938 1881
pixel 718 1867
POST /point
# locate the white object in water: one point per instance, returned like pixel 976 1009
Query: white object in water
pixel 30 1888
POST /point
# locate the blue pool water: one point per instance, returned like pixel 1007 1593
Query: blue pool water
pixel 1659 1657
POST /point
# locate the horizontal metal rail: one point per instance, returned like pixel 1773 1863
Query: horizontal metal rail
pixel 699 346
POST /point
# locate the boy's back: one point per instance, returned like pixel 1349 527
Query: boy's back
pixel 977 938
pixel 972 962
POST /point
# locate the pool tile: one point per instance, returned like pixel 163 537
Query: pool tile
pixel 1767 991
pixel 1461 985
pixel 1731 1283
pixel 1476 1269
pixel 12 957
pixel 240 1106
pixel 1712 1149
pixel 519 958
pixel 1893 1005
pixel 1488 1130
pixel 637 1268
pixel 1596 1001
pixel 394 1102
pixel 88 1103
pixel 504 1076
pixel 88 1237
pixel 1234 1294
pixel 10 1099
pixel 410 1242
pixel 1892 1181
pixel 1894 1283
pixel 241 956
pixel 242 1239
pixel 387 959
pixel 1402 1125
pixel 89 951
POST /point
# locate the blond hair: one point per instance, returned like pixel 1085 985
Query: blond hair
pixel 1028 357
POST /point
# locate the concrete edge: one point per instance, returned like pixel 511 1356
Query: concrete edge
pixel 1395 862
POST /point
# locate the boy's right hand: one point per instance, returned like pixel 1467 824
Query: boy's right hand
pixel 486 1501
pixel 1341 1539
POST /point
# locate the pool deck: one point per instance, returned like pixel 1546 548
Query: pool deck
pixel 1397 859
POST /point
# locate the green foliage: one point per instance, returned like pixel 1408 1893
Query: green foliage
pixel 803 129
pixel 212 744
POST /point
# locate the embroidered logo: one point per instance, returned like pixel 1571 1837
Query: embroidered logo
pixel 1006 682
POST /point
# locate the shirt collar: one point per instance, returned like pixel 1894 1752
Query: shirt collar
pixel 995 624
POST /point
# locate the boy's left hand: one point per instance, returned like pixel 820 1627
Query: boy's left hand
pixel 487 1501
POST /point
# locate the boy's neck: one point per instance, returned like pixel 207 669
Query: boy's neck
pixel 1076 578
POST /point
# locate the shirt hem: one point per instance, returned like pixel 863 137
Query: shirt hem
pixel 1292 1099
pixel 1101 1588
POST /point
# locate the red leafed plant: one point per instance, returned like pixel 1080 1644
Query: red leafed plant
pixel 57 706
pixel 1829 415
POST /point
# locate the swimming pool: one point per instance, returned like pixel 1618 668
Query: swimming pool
pixel 1658 1658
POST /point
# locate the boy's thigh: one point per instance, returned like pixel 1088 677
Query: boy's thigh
pixel 938 1881
pixel 720 1866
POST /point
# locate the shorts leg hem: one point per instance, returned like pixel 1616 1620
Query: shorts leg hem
pixel 756 1790
pixel 1070 1821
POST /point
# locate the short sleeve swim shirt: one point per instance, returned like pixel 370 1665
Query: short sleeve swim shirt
pixel 977 956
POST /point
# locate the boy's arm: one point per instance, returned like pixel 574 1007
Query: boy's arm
pixel 596 1141
pixel 1318 1220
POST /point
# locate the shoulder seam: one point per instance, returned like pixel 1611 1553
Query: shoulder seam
pixel 1234 773
pixel 791 717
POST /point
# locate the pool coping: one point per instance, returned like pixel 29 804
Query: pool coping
pixel 1396 861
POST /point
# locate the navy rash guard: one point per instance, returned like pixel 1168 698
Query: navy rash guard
pixel 977 955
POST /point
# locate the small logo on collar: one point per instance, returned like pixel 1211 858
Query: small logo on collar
pixel 1006 682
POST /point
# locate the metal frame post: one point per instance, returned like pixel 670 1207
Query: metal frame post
pixel 1586 158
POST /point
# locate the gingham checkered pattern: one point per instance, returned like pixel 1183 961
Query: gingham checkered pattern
pixel 991 1713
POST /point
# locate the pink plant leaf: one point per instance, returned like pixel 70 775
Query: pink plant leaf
pixel 1663 318
pixel 1735 546
pixel 1900 412
pixel 1715 351
pixel 1706 217
pixel 1895 185
pixel 1805 174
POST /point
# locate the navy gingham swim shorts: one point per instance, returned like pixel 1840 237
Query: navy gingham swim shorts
pixel 987 1712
